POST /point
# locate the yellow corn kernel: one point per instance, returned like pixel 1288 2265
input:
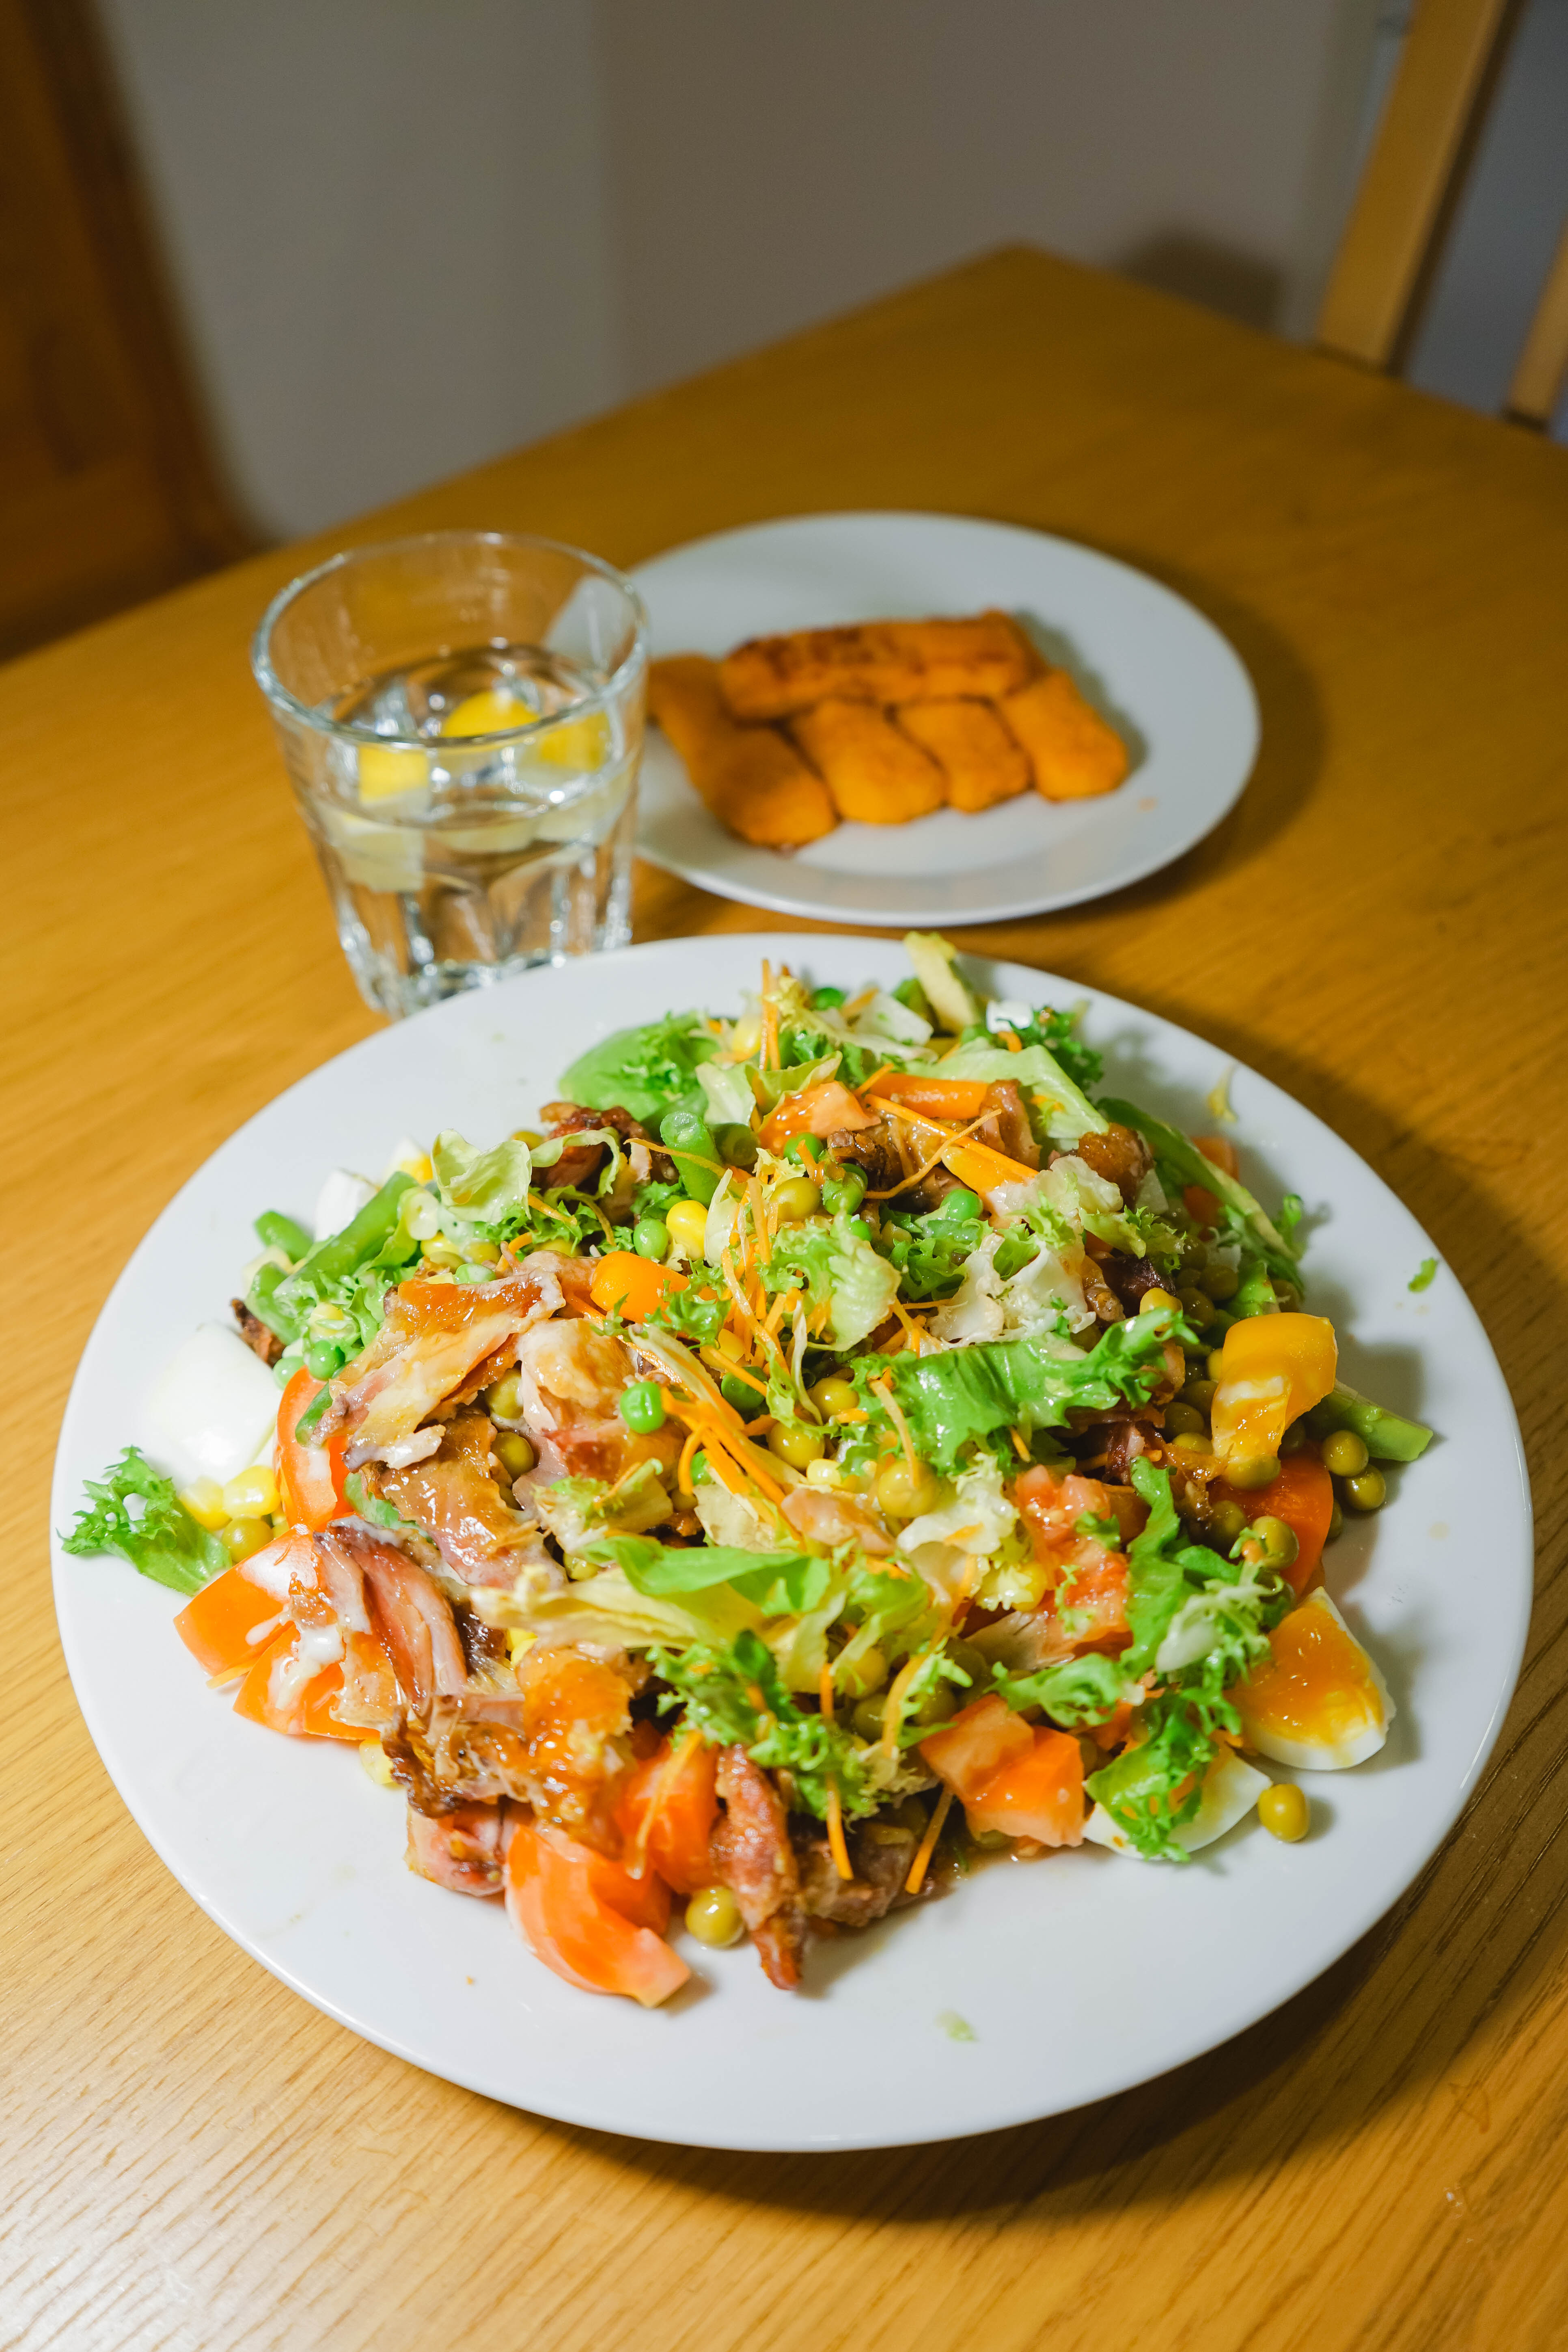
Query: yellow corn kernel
pixel 439 1251
pixel 387 769
pixel 483 1252
pixel 253 1494
pixel 377 1763
pixel 687 1224
pixel 204 1500
pixel 746 1036
pixel 517 1641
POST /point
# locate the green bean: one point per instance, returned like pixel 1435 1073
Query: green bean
pixel 275 1230
pixel 690 1143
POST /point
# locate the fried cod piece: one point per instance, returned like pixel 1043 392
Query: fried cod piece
pixel 876 773
pixel 1074 752
pixel 876 661
pixel 752 778
pixel 971 745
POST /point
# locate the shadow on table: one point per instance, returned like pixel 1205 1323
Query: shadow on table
pixel 1467 1948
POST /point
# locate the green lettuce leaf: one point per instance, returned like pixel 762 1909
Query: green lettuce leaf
pixel 135 1512
pixel 1179 1154
pixel 735 1695
pixel 645 1070
pixel 488 1184
pixel 1065 1110
pixel 1076 1693
pixel 955 1396
pixel 838 1267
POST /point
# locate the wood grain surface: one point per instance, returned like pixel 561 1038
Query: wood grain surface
pixel 191 2157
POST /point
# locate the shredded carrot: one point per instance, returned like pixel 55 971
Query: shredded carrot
pixel 1014 1043
pixel 687 1454
pixel 230 1674
pixel 934 1827
pixel 884 1389
pixel 784 1304
pixel 865 1085
pixel 893 1714
pixel 770 1021
pixel 836 1844
pixel 956 1135
pixel 1021 1449
pixel 824 1690
pixel 733 1369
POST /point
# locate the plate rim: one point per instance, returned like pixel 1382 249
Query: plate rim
pixel 592 2113
pixel 780 900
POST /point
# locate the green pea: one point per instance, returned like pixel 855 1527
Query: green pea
pixel 821 1000
pixel 794 1199
pixel 513 1452
pixel 1199 1393
pixel 323 1360
pixel 642 1407
pixel 287 1364
pixel 713 1916
pixel 1219 1281
pixel 1279 1541
pixel 1196 1305
pixel 803 1148
pixel 960 1207
pixel 1367 1492
pixel 687 1140
pixel 737 1145
pixel 1258 1470
pixel 869 1717
pixel 650 1238
pixel 1345 1453
pixel 843 1193
pixel 471 1273
pixel 1184 1420
pixel 1226 1521
pixel 1336 1523
pixel 739 1393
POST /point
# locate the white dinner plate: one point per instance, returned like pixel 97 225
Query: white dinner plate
pixel 1166 676
pixel 1076 1976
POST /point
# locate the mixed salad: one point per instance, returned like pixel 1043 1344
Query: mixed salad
pixel 840 1441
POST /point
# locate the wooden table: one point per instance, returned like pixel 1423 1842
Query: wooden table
pixel 195 2158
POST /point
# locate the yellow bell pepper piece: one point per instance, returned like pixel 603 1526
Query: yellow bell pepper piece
pixel 1273 1369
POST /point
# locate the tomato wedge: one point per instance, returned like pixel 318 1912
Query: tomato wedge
pixel 311 1478
pixel 827 1110
pixel 555 1897
pixel 1203 1206
pixel 216 1626
pixel 1303 1497
pixel 667 1812
pixel 1038 1794
pixel 967 1753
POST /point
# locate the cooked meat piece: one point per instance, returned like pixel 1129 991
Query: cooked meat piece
pixel 981 762
pixel 1004 1123
pixel 411 1618
pixel 461 1850
pixel 572 1377
pixel 255 1333
pixel 984 655
pixel 752 778
pixel 575 1167
pixel 876 773
pixel 454 1495
pixel 1120 1155
pixel 874 1151
pixel 435 1337
pixel 879 1855
pixel 751 1854
pixel 1129 1278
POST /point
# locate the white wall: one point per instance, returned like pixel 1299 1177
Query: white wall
pixel 387 220
pixel 411 234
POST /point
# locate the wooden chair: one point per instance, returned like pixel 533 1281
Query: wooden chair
pixel 1409 192
pixel 107 488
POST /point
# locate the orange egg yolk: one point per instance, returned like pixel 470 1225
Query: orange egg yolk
pixel 1315 1685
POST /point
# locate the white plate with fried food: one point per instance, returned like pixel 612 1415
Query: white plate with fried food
pixel 965 833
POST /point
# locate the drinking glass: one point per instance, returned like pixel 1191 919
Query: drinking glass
pixel 462 716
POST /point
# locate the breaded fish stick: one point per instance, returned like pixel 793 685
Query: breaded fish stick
pixel 970 744
pixel 876 773
pixel 1074 752
pixel 752 778
pixel 876 661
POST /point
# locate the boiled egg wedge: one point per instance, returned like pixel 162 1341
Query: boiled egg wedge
pixel 1231 1789
pixel 1318 1701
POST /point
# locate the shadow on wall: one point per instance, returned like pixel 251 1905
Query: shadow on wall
pixel 1239 285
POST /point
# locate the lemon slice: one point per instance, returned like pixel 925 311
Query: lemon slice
pixel 492 713
pixel 387 769
pixel 580 744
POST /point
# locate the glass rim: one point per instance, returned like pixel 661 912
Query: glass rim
pixel 350 731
